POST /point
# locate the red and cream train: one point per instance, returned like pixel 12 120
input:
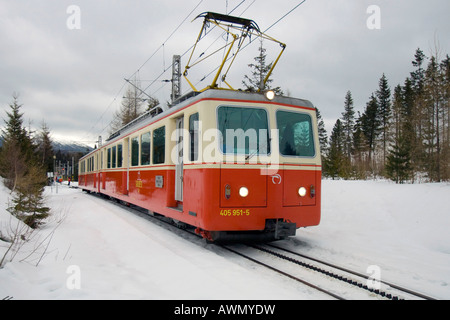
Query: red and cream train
pixel 234 165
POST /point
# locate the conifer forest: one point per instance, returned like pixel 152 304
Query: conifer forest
pixel 403 133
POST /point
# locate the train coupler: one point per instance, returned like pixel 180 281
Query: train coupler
pixel 284 229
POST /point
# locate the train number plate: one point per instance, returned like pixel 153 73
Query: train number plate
pixel 234 212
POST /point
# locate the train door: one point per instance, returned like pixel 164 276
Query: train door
pixel 179 163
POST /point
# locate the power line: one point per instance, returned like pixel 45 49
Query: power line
pixel 168 38
pixel 146 61
pixel 289 12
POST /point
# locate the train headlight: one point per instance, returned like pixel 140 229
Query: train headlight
pixel 270 94
pixel 302 191
pixel 243 192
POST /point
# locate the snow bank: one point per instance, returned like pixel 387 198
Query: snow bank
pixel 403 229
pixel 97 250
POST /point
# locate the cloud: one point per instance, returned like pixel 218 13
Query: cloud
pixel 74 78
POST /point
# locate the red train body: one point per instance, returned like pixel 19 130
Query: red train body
pixel 234 165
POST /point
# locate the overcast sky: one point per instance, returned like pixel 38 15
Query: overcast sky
pixel 68 65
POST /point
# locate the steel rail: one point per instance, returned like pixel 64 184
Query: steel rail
pixel 390 284
pixel 284 273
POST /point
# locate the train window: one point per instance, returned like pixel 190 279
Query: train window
pixel 119 156
pixel 193 137
pixel 109 159
pixel 145 149
pixel 159 145
pixel 296 136
pixel 244 130
pixel 114 156
pixel 135 151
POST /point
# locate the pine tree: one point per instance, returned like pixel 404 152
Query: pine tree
pixel 45 148
pixel 398 165
pixel 418 110
pixel 17 149
pixel 348 122
pixel 384 112
pixel 323 141
pixel 336 160
pixel 360 150
pixel 434 131
pixel 28 201
pixel 445 159
pixel 323 138
pixel 15 132
pixel 370 125
pixel 21 170
pixel 260 69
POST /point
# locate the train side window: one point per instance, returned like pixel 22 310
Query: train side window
pixel 109 159
pixel 193 137
pixel 145 149
pixel 135 151
pixel 119 155
pixel 296 136
pixel 114 156
pixel 159 145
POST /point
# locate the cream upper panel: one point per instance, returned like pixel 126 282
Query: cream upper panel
pixel 210 150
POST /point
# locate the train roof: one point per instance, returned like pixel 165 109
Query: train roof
pixel 217 94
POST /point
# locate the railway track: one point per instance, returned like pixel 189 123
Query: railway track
pixel 335 281
pixel 332 280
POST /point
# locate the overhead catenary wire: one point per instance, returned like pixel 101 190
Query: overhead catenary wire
pixel 288 13
pixel 168 38
pixel 131 76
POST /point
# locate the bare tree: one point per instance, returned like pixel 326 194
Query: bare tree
pixel 132 107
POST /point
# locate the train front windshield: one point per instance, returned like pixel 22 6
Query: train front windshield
pixel 244 131
pixel 296 137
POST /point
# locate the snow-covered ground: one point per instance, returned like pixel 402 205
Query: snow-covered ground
pixel 94 249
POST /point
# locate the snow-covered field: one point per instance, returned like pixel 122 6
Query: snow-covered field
pixel 94 249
